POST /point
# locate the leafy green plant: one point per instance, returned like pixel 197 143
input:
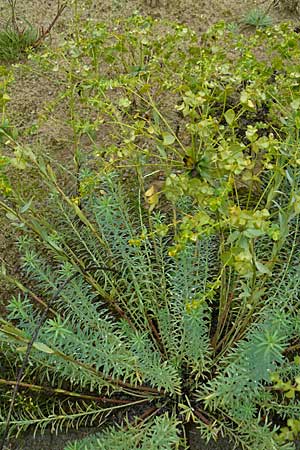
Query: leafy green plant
pixel 133 329
pixel 13 43
pixel 215 129
pixel 257 18
pixel 179 315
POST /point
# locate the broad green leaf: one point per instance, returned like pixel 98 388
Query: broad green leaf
pixel 295 104
pixel 233 236
pixel 263 142
pixel 168 139
pixel 25 207
pixel 152 197
pixel 12 216
pixel 244 97
pixel 124 102
pixel 151 130
pixel 19 163
pixel 229 116
pixel 251 133
pixel 253 233
pixel 262 268
pixel 22 349
pixel 10 329
pixel 156 118
pixel 6 98
pixel 297 362
pixel 290 394
pixel 161 150
pixel 42 347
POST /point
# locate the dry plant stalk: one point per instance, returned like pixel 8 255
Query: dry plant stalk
pixel 12 5
pixel 45 32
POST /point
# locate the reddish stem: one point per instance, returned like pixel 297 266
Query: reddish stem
pixel 44 33
pixel 202 417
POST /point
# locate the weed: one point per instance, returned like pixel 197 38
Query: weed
pixel 13 43
pixel 125 326
pixel 257 18
pixel 233 27
pixel 14 40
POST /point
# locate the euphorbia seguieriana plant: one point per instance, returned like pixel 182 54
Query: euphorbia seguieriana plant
pixel 182 304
